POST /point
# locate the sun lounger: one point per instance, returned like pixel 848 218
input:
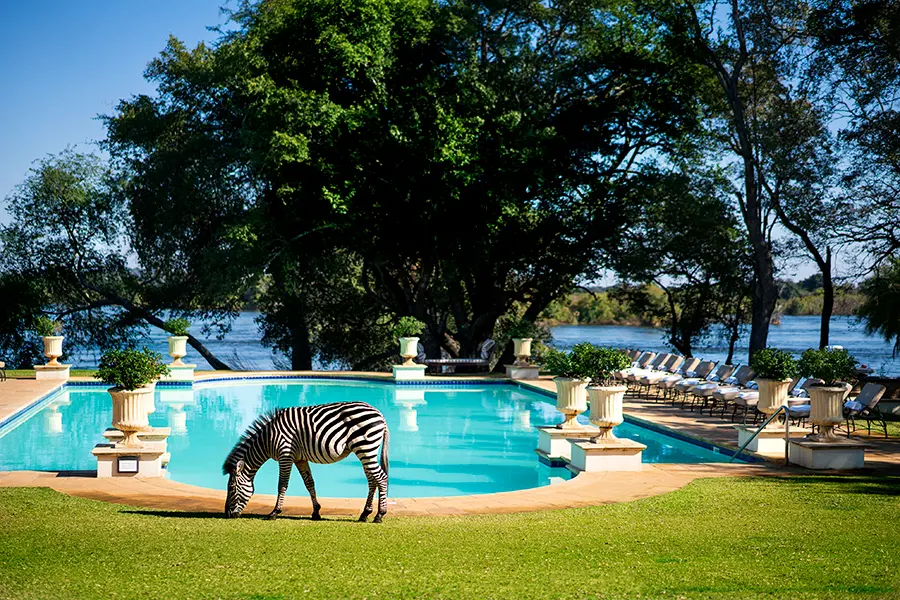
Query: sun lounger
pixel 711 394
pixel 481 363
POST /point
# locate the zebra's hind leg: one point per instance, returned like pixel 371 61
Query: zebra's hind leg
pixel 382 495
pixel 367 510
pixel 306 474
pixel 284 477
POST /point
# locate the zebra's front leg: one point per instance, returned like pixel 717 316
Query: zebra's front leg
pixel 369 501
pixel 306 474
pixel 284 477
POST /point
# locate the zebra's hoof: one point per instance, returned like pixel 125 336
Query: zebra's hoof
pixel 363 518
pixel 377 519
pixel 316 517
pixel 271 516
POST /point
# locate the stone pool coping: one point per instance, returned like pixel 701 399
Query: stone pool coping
pixel 587 489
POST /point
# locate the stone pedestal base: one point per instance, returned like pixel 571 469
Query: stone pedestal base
pixel 553 443
pixel 149 462
pixel 181 372
pixel 828 455
pixel 769 441
pixel 44 372
pixel 612 455
pixel 409 372
pixel 522 372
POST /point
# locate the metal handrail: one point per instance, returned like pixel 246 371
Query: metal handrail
pixel 787 434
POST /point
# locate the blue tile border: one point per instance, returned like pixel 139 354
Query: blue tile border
pixel 25 409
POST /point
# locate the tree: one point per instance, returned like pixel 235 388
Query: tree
pixel 471 157
pixel 882 297
pixel 686 241
pixel 65 252
pixel 750 48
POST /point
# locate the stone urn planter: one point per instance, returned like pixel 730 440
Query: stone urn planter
pixel 178 348
pixel 130 411
pixel 571 400
pixel 826 410
pixel 773 393
pixel 606 409
pixel 53 348
pixel 522 351
pixel 409 348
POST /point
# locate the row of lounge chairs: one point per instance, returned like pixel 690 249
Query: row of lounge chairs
pixel 703 385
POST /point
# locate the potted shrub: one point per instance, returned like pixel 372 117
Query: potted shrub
pixel 605 395
pixel 132 374
pixel 572 370
pixel 522 332
pixel 178 340
pixel 775 370
pixel 49 330
pixel 407 331
pixel 835 367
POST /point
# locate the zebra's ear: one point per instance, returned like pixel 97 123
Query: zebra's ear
pixel 239 467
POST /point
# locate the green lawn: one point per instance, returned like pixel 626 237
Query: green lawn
pixel 29 373
pixel 800 537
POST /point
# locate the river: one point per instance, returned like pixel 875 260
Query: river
pixel 242 349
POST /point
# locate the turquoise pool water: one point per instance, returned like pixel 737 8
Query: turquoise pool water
pixel 445 441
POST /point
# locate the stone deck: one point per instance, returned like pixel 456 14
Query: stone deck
pixel 588 489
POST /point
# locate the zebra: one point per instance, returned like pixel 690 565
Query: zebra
pixel 296 436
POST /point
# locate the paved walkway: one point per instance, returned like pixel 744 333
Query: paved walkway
pixel 588 489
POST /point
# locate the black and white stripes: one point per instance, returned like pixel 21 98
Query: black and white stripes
pixel 298 436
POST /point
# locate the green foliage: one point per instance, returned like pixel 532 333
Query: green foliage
pixel 178 326
pixel 44 326
pixel 603 362
pixel 130 368
pixel 522 328
pixel 772 363
pixel 408 327
pixel 881 307
pixel 831 366
pixel 575 364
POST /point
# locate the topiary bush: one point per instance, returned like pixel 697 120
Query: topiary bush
pixel 408 327
pixel 831 366
pixel 771 363
pixel 576 364
pixel 179 326
pixel 130 368
pixel 604 362
pixel 44 326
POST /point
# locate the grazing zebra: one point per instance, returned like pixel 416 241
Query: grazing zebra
pixel 297 436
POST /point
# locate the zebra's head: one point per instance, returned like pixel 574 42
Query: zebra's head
pixel 240 489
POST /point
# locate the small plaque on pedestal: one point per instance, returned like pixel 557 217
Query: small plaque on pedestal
pixel 44 372
pixel 553 443
pixel 839 454
pixel 618 454
pixel 409 372
pixel 522 372
pixel 183 372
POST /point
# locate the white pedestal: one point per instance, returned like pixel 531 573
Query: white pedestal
pixel 769 441
pixel 409 372
pixel 612 455
pixel 183 372
pixel 828 455
pixel 147 461
pixel 553 443
pixel 528 372
pixel 56 372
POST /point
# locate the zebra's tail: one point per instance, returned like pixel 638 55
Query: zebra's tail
pixel 385 448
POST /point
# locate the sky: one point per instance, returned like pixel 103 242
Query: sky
pixel 63 63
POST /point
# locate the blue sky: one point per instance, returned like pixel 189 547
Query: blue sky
pixel 64 62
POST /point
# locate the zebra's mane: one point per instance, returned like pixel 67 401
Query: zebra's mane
pixel 239 450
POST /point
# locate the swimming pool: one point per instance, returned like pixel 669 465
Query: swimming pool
pixel 446 440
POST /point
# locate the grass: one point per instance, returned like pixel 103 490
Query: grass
pixel 29 373
pixel 797 537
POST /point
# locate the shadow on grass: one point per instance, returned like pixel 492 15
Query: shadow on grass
pixel 172 514
pixel 878 485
